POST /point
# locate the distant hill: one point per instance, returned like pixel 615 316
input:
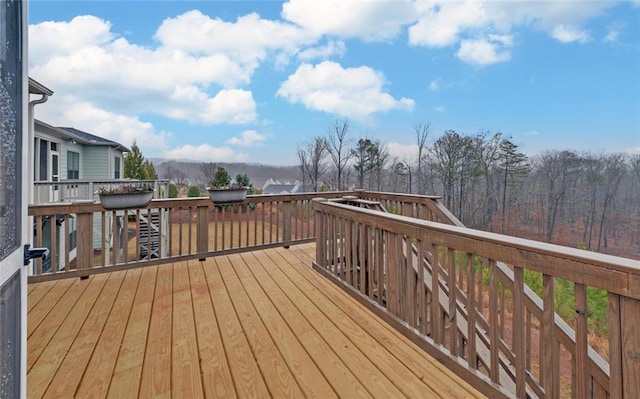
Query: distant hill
pixel 258 174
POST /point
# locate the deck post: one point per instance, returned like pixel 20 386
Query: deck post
pixel 288 205
pixel 85 242
pixel 202 232
pixel 624 344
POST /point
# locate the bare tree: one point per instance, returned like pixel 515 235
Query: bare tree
pixel 449 155
pixel 558 170
pixel 312 162
pixel 338 147
pixel 208 171
pixel 422 132
pixel 614 170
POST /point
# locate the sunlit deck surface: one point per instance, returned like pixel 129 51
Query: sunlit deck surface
pixel 257 324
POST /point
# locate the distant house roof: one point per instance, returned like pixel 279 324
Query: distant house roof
pixel 280 189
pixel 81 136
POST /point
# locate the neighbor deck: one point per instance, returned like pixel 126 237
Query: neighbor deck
pixel 256 324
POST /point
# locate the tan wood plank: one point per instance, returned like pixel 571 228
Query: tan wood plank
pixel 185 367
pixel 125 382
pixel 156 371
pixel 630 317
pixel 278 377
pixel 314 308
pixel 96 378
pixel 51 300
pixel 436 375
pixel 246 376
pixel 67 378
pixel 216 376
pixel 330 364
pixel 36 292
pixel 309 377
pixel 46 365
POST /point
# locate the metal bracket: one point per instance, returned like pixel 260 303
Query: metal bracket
pixel 32 253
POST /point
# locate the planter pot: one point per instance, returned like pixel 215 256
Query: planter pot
pixel 227 196
pixel 134 200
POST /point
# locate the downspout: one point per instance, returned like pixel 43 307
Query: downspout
pixel 31 143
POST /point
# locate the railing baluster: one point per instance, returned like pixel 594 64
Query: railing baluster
pixel 548 344
pixel 471 313
pixel 581 359
pixel 494 344
pixel 453 323
pixel 435 295
pixel 518 330
pixel 422 300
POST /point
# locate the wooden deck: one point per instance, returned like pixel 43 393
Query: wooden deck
pixel 257 324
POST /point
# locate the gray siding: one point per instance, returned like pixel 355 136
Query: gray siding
pixel 94 163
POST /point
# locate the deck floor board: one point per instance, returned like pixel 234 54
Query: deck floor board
pixel 256 324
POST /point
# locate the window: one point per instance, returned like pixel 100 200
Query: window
pixel 44 160
pixel 73 165
pixel 73 233
pixel 116 163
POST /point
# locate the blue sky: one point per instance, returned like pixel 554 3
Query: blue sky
pixel 252 81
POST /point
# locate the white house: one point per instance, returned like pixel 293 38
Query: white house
pixel 70 165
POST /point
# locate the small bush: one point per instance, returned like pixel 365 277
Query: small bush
pixel 173 191
pixel 194 191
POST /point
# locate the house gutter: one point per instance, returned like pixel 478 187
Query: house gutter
pixel 30 144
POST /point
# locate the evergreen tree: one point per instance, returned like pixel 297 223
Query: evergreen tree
pixel 133 164
pixel 514 165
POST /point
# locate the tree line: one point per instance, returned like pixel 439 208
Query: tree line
pixel 585 199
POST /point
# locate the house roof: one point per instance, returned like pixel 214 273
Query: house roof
pixel 36 87
pixel 81 136
pixel 93 139
pixel 280 188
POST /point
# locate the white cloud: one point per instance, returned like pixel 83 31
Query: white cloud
pixel 569 34
pixel 612 36
pixel 440 109
pixel 117 127
pixel 485 51
pixel 247 40
pixel 205 152
pixel 367 20
pixel 434 85
pixel 349 92
pixel 402 151
pixel 440 24
pixel 104 70
pixel 247 138
pixel 333 48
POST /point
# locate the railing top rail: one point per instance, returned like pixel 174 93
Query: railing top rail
pixel 98 181
pixel 612 273
pixel 87 206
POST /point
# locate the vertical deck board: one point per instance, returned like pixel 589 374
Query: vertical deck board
pixel 216 376
pixel 156 370
pixel 69 374
pixel 278 377
pixel 185 366
pixel 247 379
pixel 96 379
pixel 304 370
pixel 46 365
pixel 125 381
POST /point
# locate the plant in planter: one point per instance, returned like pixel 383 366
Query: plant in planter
pixel 223 191
pixel 125 197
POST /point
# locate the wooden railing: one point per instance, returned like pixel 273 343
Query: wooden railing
pixel 66 191
pixel 83 238
pixel 460 295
